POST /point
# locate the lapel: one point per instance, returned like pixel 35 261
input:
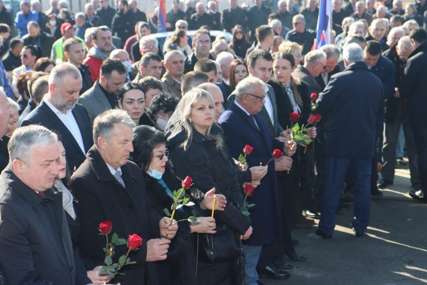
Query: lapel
pixel 85 129
pixel 245 117
pixel 62 245
pixel 56 124
pixel 102 102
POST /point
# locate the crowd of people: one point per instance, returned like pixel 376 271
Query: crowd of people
pixel 195 157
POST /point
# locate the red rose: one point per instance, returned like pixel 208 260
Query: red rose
pixel 187 182
pixel 248 149
pixel 248 189
pixel 313 96
pixel 294 117
pixel 277 153
pixel 314 119
pixel 134 242
pixel 105 227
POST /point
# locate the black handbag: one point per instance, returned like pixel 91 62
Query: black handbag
pixel 221 246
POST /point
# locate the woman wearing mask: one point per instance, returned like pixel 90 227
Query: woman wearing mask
pixel 197 150
pixel 159 112
pixel 151 155
pixel 131 99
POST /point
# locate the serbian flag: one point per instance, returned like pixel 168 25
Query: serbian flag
pixel 162 19
pixel 324 24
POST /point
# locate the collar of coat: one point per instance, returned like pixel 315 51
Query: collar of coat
pixel 357 66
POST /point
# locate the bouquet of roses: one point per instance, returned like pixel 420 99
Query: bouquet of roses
pixel 300 133
pixel 111 265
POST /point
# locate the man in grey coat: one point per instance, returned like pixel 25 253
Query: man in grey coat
pixel 102 96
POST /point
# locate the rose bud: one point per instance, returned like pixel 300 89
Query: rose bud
pixel 277 153
pixel 187 182
pixel 105 227
pixel 248 189
pixel 294 117
pixel 248 149
pixel 313 96
pixel 134 242
pixel 314 119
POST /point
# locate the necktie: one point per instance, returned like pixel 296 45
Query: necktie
pixel 118 176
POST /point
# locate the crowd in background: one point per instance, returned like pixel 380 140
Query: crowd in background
pixel 102 118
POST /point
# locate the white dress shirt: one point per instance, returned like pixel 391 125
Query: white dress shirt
pixel 70 123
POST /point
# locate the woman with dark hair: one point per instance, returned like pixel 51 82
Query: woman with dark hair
pixel 197 149
pixel 240 43
pixel 44 64
pixel 238 71
pixel 159 112
pixel 23 91
pixel 151 155
pixel 131 99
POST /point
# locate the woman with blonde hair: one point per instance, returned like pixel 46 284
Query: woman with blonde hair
pixel 197 150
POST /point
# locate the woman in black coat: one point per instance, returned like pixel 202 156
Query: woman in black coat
pixel 151 155
pixel 197 150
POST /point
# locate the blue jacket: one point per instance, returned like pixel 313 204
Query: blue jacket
pixel 350 107
pixel 22 20
pixel 4 82
pixel 239 129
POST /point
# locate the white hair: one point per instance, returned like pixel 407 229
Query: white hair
pixel 224 57
pixel 13 104
pixel 147 39
pixel 171 53
pixel 247 85
pixel 58 73
pixel 331 51
pixel 105 122
pixel 394 33
pixel 353 53
pixel 25 138
pixel 314 56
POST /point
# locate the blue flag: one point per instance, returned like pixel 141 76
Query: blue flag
pixel 324 24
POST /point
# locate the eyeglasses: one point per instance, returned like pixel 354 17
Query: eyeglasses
pixel 162 156
pixel 259 98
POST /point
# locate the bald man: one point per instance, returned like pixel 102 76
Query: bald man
pixel 216 93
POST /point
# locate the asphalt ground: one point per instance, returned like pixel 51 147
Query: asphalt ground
pixel 394 252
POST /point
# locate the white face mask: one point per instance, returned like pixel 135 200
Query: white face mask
pixel 161 123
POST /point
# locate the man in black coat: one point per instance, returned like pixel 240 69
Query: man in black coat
pixel 35 242
pixel 200 18
pixel 300 34
pixel 36 37
pixel 413 89
pixel 110 187
pixel 123 23
pixel 105 14
pixel 385 70
pixel 59 112
pixel 350 114
pixel 234 16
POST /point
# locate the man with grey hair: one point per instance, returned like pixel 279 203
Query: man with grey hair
pixel 174 64
pixel 147 44
pixel 331 65
pixel 243 124
pixel 314 63
pixel 224 59
pixel 300 34
pixel 43 252
pixel 59 112
pixel 345 105
pixel 4 119
pixel 108 185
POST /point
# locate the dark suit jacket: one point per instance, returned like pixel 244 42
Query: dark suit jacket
pixel 284 106
pixel 350 113
pixel 44 116
pixel 413 89
pixel 239 129
pixel 34 250
pixel 100 197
